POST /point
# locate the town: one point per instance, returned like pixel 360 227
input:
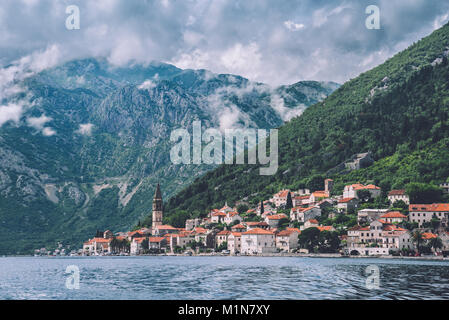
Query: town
pixel 297 223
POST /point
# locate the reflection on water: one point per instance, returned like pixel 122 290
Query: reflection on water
pixel 221 278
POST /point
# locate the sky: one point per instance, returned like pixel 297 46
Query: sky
pixel 271 41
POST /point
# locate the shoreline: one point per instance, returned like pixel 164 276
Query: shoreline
pixel 272 255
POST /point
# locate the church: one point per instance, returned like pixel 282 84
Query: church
pixel 157 208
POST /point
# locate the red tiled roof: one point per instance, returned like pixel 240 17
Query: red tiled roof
pixel 100 240
pixel 282 193
pixel 155 239
pixel 224 233
pixel 359 186
pixel 239 226
pixel 277 217
pixel 393 214
pixel 392 227
pixel 134 233
pixel 428 235
pixel 320 194
pixel 199 230
pixel 258 231
pixel 325 228
pixel 345 200
pixel 400 192
pixel 165 227
pixel 254 223
pixel 219 214
pixel 284 233
pixel 435 207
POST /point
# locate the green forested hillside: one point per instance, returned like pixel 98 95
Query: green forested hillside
pixel 398 111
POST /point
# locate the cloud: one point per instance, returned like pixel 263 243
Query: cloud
pixel 85 129
pixel 146 85
pixel 48 132
pixel 10 112
pixel 38 122
pixel 290 25
pixel 17 97
pixel 254 38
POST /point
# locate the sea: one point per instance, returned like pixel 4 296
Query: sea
pixel 221 277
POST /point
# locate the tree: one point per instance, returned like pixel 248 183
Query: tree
pixel 309 238
pixel 401 206
pixel 242 208
pixel 364 195
pixel 315 182
pixel 223 246
pixel 423 193
pixel 436 243
pixel 261 207
pixel 145 245
pixel 435 222
pixel 289 203
pixel 283 223
pixel 417 238
pixel 328 241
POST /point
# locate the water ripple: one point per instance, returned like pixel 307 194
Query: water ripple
pixel 221 278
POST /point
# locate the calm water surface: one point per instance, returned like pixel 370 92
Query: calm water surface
pixel 221 278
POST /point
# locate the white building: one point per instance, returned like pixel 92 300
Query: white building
pixel 396 195
pixel 379 238
pixel 192 223
pixel 258 241
pixel 393 217
pixel 97 246
pixel 221 237
pixel 350 191
pixel 280 198
pixel 369 215
pixel 421 213
pixel 232 216
pixel 287 240
pixel 136 246
pixel 235 242
pixel 303 214
pixel 273 220
pixel 218 217
pixel 347 204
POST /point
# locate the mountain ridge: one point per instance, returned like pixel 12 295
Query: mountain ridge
pixel 88 151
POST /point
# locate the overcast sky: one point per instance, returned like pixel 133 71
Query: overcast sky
pixel 272 41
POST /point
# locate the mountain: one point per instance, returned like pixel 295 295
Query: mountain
pixel 93 141
pixel 398 111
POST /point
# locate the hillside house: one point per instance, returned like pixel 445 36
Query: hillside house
pixel 421 213
pixel 258 241
pixel 396 195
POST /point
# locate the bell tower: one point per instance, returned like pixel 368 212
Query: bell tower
pixel 157 208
